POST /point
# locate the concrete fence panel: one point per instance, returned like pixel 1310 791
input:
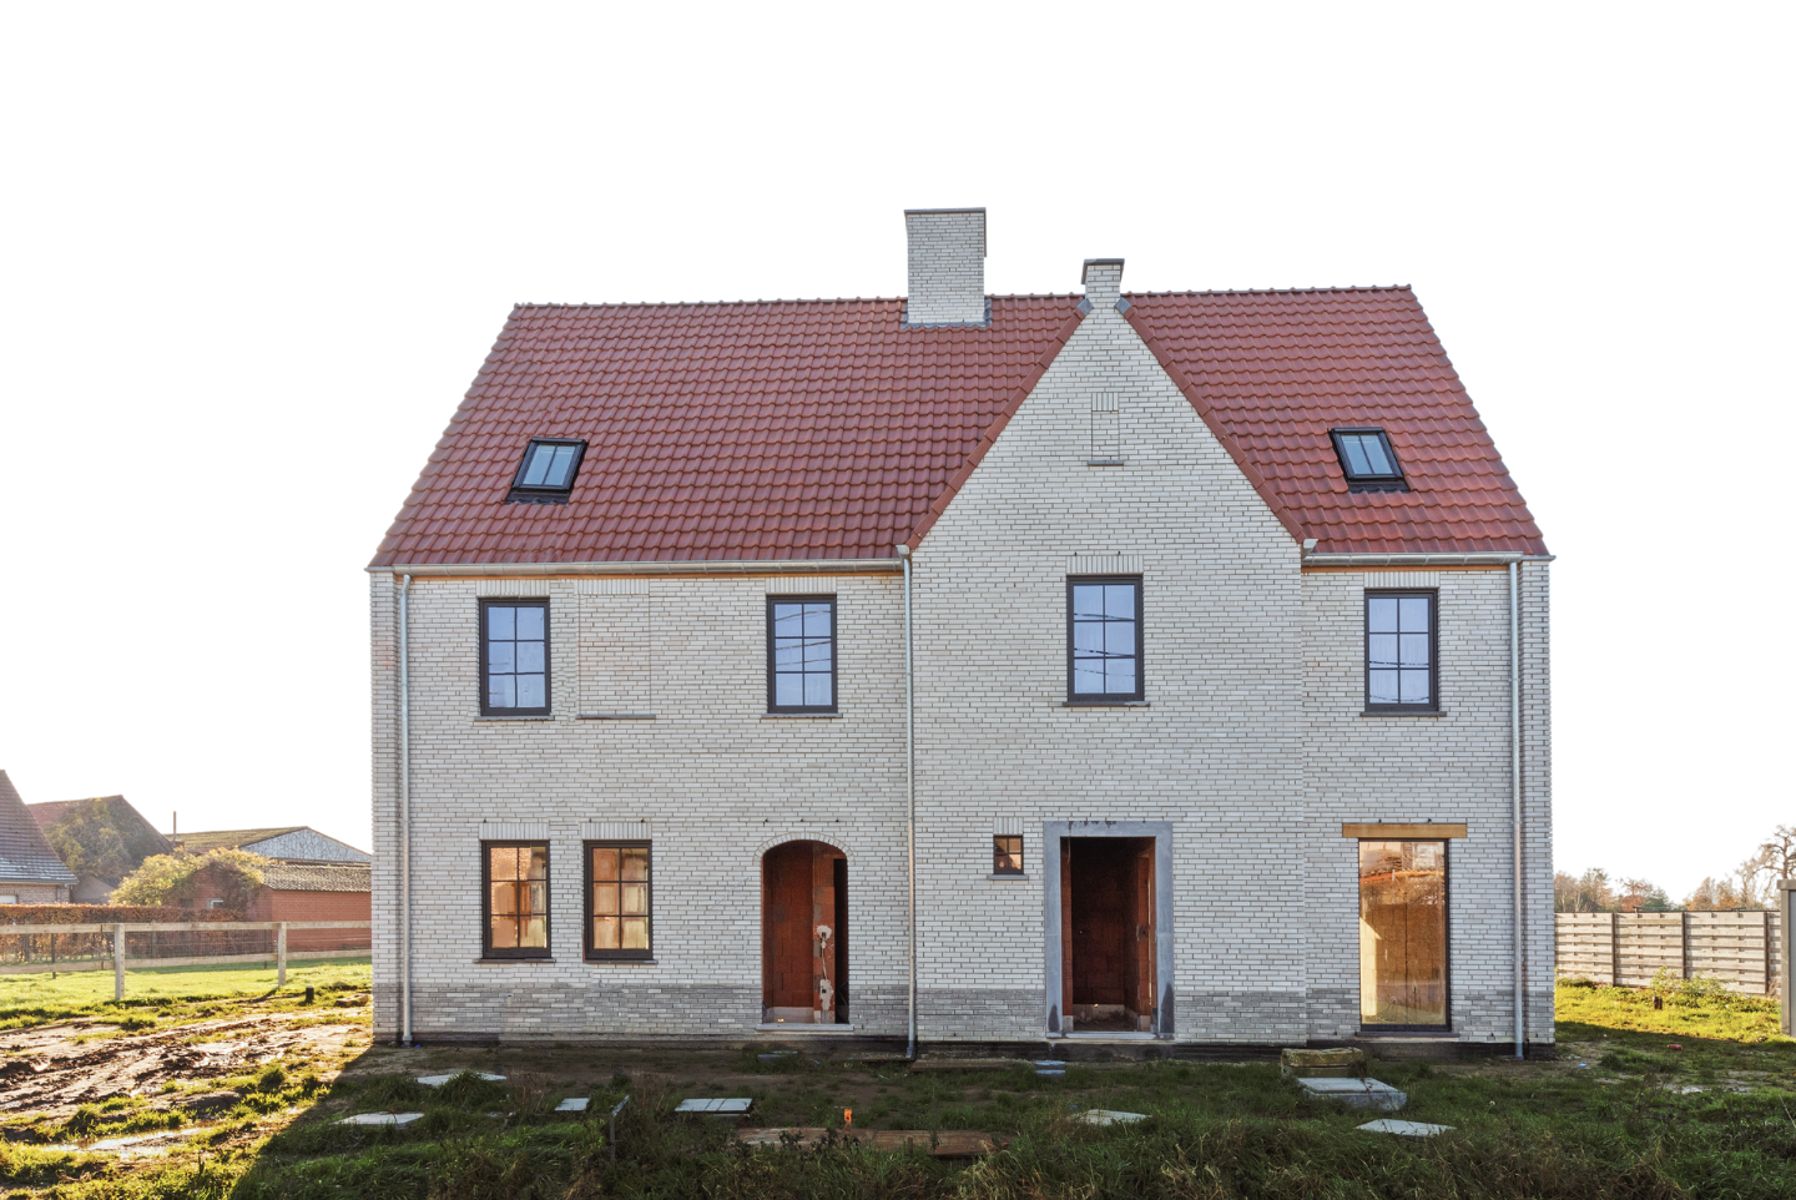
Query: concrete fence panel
pixel 1742 950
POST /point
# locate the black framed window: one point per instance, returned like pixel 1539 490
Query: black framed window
pixel 801 654
pixel 514 658
pixel 546 476
pixel 1401 642
pixel 1367 460
pixel 618 900
pixel 515 909
pixel 1103 639
pixel 1007 854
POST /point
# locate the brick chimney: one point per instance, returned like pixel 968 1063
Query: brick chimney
pixel 1103 282
pixel 947 266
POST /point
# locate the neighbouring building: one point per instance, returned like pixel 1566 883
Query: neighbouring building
pixel 102 839
pixel 1129 667
pixel 30 871
pixel 293 843
pixel 303 891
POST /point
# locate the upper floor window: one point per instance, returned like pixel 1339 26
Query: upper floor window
pixel 1400 652
pixel 1367 460
pixel 1103 639
pixel 515 880
pixel 514 658
pixel 801 654
pixel 547 473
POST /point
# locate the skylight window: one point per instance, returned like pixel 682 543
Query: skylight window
pixel 546 475
pixel 1368 460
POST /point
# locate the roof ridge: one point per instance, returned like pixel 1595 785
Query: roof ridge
pixel 1070 297
pixel 1345 290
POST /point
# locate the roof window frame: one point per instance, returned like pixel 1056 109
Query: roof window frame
pixel 1394 481
pixel 538 494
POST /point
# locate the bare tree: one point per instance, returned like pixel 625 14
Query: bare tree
pixel 1779 852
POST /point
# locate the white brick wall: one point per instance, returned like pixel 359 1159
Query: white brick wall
pixel 946 252
pixel 1251 743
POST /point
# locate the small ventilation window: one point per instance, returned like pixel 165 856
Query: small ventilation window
pixel 1368 460
pixel 546 475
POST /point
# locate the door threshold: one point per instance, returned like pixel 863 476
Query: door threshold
pixel 1105 1035
pixel 803 1027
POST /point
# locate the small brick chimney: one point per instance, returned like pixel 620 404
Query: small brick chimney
pixel 947 266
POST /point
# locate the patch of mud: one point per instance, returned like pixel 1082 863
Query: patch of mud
pixel 47 1072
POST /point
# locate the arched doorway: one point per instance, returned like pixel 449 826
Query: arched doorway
pixel 804 934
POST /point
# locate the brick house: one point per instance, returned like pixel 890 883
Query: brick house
pixel 30 871
pixel 965 669
pixel 302 891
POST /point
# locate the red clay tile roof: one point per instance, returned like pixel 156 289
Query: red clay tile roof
pixel 1273 372
pixel 825 429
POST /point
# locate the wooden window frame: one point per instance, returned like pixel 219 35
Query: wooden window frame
pixel 1432 595
pixel 518 953
pixel 835 656
pixel 1446 1025
pixel 1022 863
pixel 593 954
pixel 523 493
pixel 548 705
pixel 1104 699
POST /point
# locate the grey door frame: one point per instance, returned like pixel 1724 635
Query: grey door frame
pixel 1053 833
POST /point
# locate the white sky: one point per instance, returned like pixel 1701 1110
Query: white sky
pixel 251 262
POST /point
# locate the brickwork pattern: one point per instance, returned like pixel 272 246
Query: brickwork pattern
pixel 711 778
pixel 946 253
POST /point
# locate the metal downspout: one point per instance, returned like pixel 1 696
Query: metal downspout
pixel 1515 784
pixel 405 813
pixel 910 801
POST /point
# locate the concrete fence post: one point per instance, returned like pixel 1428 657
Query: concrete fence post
pixel 280 954
pixel 118 962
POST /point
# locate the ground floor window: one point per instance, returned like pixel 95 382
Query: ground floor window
pixel 1403 933
pixel 517 899
pixel 617 900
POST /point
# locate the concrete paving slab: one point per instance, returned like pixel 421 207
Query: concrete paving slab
pixel 1109 1116
pixel 574 1104
pixel 1404 1128
pixel 440 1080
pixel 387 1120
pixel 736 1106
pixel 1355 1093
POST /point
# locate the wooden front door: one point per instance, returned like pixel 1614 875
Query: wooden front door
pixel 803 936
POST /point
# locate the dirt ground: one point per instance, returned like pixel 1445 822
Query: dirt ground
pixel 51 1070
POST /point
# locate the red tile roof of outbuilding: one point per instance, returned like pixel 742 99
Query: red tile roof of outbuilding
pixel 828 430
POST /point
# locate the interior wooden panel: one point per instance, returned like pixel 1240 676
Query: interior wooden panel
pixel 1107 928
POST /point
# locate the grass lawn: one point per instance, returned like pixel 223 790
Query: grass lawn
pixel 1695 1098
pixel 31 999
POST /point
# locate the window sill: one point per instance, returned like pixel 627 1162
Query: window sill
pixel 801 716
pixel 614 716
pixel 517 717
pixel 1398 712
pixel 1106 462
pixel 506 962
pixel 1009 875
pixel 590 961
pixel 1106 704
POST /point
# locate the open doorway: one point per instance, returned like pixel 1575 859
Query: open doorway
pixel 804 934
pixel 1108 938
